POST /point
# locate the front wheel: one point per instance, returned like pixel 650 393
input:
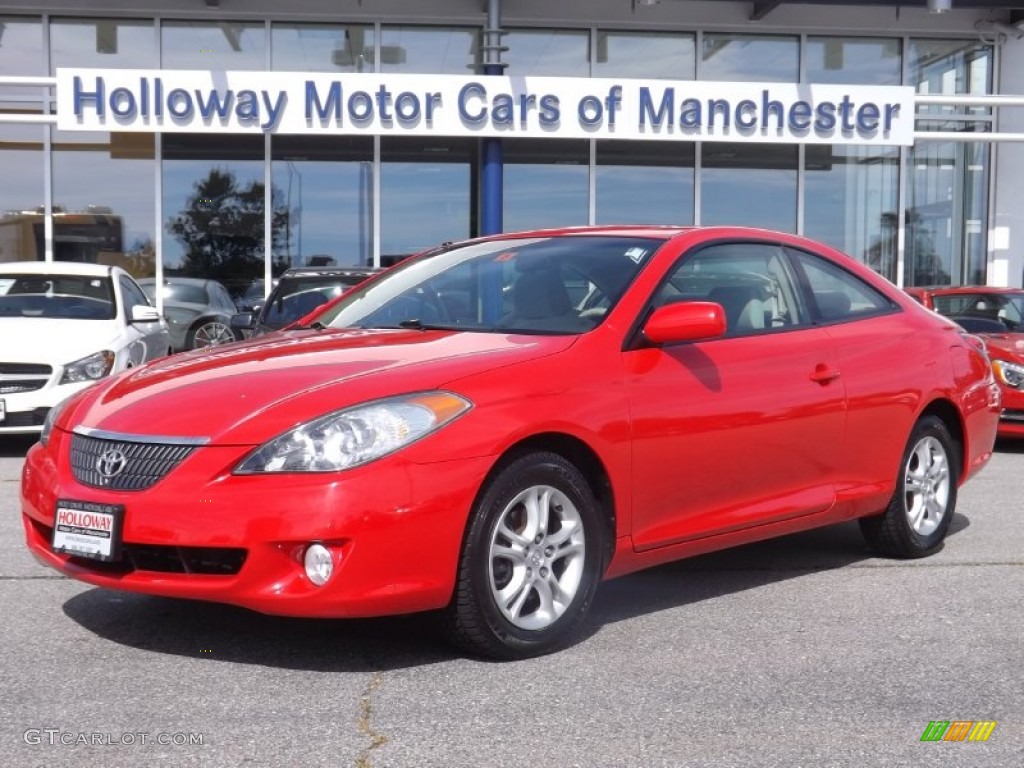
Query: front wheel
pixel 918 516
pixel 530 562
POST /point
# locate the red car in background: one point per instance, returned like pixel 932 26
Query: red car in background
pixel 491 429
pixel 996 315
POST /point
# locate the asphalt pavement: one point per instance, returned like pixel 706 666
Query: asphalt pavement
pixel 803 651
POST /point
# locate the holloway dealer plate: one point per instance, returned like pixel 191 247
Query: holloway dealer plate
pixel 84 529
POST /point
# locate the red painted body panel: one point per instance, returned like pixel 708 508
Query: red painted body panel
pixel 703 445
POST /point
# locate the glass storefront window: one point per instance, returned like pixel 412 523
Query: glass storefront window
pixel 213 208
pixel 112 222
pixel 546 183
pixel 102 43
pixel 212 45
pixel 750 58
pixel 645 55
pixel 324 184
pixel 426 193
pixel 433 50
pixel 21 55
pixel 850 202
pixel 321 48
pixel 750 185
pixel 853 60
pixel 547 52
pixel 22 236
pixel 644 182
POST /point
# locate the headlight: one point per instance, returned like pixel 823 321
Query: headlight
pixel 51 418
pixel 355 435
pixel 89 368
pixel 1010 374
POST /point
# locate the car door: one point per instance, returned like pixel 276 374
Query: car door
pixel 145 341
pixel 741 430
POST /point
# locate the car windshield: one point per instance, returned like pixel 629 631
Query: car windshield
pixel 544 285
pixel 296 297
pixel 1005 308
pixel 65 297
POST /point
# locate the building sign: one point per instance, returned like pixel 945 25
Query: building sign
pixel 465 105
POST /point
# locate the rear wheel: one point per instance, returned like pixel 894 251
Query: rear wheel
pixel 209 333
pixel 530 563
pixel 921 510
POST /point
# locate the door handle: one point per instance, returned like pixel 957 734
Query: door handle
pixel 823 374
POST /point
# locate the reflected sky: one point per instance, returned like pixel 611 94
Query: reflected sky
pixel 749 58
pixel 549 53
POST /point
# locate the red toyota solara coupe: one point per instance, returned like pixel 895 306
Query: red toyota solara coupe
pixel 491 428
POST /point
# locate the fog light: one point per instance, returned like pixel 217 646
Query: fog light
pixel 319 564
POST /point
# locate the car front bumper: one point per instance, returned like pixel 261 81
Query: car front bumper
pixel 25 412
pixel 394 529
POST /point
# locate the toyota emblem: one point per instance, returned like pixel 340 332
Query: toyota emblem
pixel 111 463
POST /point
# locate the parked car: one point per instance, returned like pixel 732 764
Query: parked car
pixel 64 326
pixel 996 315
pixel 458 435
pixel 298 292
pixel 198 311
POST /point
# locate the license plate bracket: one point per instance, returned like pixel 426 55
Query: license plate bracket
pixel 88 529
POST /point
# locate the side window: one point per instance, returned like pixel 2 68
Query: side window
pixel 131 295
pixel 839 295
pixel 752 281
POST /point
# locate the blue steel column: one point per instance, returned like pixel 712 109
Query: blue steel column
pixel 492 169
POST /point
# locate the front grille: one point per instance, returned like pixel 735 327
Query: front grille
pixel 25 369
pixel 26 385
pixel 206 561
pixel 144 464
pixel 34 418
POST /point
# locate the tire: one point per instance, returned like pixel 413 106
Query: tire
pixel 922 508
pixel 512 569
pixel 209 332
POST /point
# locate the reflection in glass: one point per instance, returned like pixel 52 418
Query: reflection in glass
pixel 546 183
pixel 750 58
pixel 108 223
pixel 325 187
pixel 426 194
pixel 22 236
pixel 548 52
pixel 21 54
pixel 213 207
pixel 753 185
pixel 644 182
pixel 433 50
pixel 850 198
pixel 102 43
pixel 645 55
pixel 212 45
pixel 853 60
pixel 321 48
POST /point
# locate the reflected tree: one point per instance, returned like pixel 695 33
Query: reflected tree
pixel 221 229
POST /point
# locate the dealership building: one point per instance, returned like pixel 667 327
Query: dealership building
pixel 233 139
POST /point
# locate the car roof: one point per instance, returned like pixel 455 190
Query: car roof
pixel 56 268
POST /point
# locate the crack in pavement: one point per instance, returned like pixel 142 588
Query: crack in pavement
pixel 365 722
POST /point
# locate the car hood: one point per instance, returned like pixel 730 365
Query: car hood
pixel 1005 346
pixel 54 341
pixel 247 392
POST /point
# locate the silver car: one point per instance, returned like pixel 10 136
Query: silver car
pixel 198 311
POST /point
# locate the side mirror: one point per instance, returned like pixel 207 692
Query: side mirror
pixel 144 314
pixel 685 321
pixel 243 321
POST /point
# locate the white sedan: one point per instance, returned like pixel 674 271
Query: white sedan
pixel 64 326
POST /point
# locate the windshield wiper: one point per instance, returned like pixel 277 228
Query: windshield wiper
pixel 418 325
